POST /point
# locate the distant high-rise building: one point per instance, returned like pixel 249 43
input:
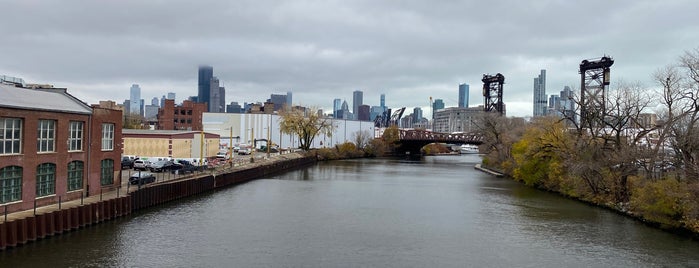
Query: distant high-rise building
pixel 171 95
pixel 127 106
pixel 206 74
pixel 337 105
pixel 279 101
pixel 135 100
pixel 363 113
pixel 417 114
pixel 383 100
pixel 438 104
pixel 289 99
pixel 540 94
pixel 357 100
pixel 463 95
pixel 222 99
pixel 234 108
pixel 344 112
pixel 151 112
pixel 155 102
pixel 456 119
pixel 162 101
pixel 215 96
pixel 142 107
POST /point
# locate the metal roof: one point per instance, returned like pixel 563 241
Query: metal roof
pixel 53 99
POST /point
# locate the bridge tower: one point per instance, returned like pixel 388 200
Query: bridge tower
pixel 492 91
pixel 594 79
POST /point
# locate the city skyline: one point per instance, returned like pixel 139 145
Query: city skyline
pixel 409 52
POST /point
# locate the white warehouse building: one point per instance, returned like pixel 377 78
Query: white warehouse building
pixel 240 127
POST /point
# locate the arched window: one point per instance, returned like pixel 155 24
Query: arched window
pixel 10 184
pixel 107 172
pixel 75 175
pixel 45 179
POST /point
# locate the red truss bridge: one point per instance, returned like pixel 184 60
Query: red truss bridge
pixel 411 141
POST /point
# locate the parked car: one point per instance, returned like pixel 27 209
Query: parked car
pixel 222 155
pixel 162 165
pixel 141 178
pixel 244 151
pixel 184 166
pixel 140 164
pixel 126 163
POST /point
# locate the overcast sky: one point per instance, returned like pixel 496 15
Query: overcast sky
pixel 321 50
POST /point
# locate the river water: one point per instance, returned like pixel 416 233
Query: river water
pixel 433 212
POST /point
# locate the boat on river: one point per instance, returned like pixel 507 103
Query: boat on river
pixel 468 149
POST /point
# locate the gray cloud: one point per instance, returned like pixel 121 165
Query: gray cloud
pixel 320 50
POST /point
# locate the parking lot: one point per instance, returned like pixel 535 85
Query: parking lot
pixel 168 175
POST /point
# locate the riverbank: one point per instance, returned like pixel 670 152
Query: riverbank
pixel 24 227
pixel 611 207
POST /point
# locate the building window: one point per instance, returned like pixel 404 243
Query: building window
pixel 75 175
pixel 10 184
pixel 45 179
pixel 107 172
pixel 10 135
pixel 75 140
pixel 189 112
pixel 46 136
pixel 107 137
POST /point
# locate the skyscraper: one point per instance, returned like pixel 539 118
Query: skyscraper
pixel 154 101
pixel 417 114
pixel 383 100
pixel 357 100
pixel 344 112
pixel 279 101
pixel 289 99
pixel 135 99
pixel 222 99
pixel 206 73
pixel 438 104
pixel 171 95
pixel 540 94
pixel 214 95
pixel 463 95
pixel 337 105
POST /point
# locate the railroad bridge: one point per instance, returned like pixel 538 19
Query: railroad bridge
pixel 411 141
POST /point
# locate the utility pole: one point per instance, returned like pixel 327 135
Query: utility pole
pixel 230 147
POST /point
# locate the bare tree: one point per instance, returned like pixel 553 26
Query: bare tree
pixel 362 138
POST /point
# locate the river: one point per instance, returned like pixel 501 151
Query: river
pixel 433 212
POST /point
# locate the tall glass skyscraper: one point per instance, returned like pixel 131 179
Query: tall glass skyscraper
pixel 206 74
pixel 357 100
pixel 383 100
pixel 463 95
pixel 337 105
pixel 135 99
pixel 540 100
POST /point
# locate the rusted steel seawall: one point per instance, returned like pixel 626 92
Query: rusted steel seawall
pixel 25 230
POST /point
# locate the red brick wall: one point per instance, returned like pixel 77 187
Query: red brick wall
pixel 101 116
pixel 189 115
pixel 29 159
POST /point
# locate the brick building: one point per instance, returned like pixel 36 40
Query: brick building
pixel 186 116
pixel 53 145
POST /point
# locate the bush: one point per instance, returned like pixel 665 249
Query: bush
pixel 661 201
pixel 435 148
